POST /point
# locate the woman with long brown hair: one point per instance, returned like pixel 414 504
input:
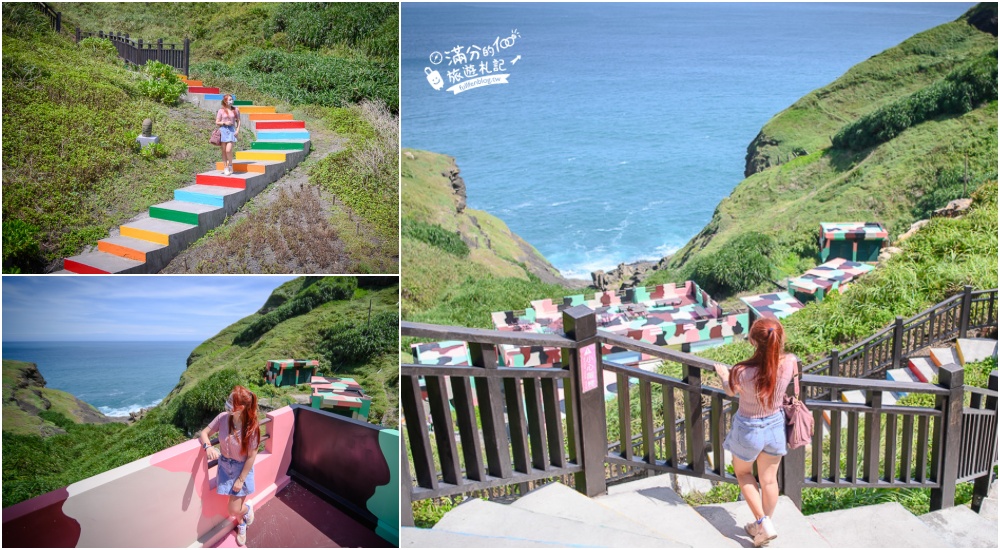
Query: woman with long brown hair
pixel 228 120
pixel 758 431
pixel 239 436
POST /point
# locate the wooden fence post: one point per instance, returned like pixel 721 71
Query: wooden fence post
pixel 793 467
pixel 947 436
pixel 897 342
pixel 58 21
pixel 963 319
pixel 981 488
pixel 187 57
pixel 587 419
pixel 694 421
pixel 405 496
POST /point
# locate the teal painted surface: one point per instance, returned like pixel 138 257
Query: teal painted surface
pixel 385 502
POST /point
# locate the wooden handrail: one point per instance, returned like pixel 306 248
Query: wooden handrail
pixel 835 382
pixel 485 336
pixel 656 351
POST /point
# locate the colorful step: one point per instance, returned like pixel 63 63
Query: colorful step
pixel 157 231
pixel 128 248
pixel 192 82
pixel 900 375
pixel 243 102
pixel 278 146
pixel 222 197
pixel 202 90
pixel 279 124
pixel 246 166
pixel 210 178
pixel 270 116
pixel 973 350
pixel 268 135
pixel 260 155
pixel 184 212
pixel 100 264
pixel 256 109
pixel 922 368
pixel 216 97
pixel 944 356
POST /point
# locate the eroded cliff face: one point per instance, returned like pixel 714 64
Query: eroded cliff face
pixel 758 158
pixel 25 397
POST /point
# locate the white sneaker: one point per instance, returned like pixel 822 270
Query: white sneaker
pixel 241 534
pixel 762 533
pixel 227 171
pixel 248 517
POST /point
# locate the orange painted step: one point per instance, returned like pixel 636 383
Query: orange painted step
pixel 270 116
pixel 193 82
pixel 244 167
pixel 123 251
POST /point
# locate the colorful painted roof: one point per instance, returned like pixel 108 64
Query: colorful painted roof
pixel 449 353
pixel 773 306
pixel 291 363
pixel 853 231
pixel 832 275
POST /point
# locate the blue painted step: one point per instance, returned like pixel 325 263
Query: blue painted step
pixel 270 135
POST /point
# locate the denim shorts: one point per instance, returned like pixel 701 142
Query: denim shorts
pixel 228 133
pixel 229 470
pixel 750 436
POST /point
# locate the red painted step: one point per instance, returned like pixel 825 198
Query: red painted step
pixel 202 90
pixel 220 181
pixel 280 124
pixel 83 269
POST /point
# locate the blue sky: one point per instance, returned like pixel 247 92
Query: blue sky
pixel 116 308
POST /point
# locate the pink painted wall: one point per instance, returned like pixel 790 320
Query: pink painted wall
pixel 167 499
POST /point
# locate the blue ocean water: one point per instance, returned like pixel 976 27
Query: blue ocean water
pixel 622 126
pixel 115 377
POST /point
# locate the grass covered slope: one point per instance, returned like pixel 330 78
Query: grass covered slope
pixel 70 118
pixel 25 398
pixel 897 181
pixel 447 245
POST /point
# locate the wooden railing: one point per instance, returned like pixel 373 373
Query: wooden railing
pixel 891 346
pixel 55 17
pixel 511 430
pixel 137 52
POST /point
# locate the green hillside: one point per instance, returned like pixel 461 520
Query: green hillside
pixel 25 398
pixel 324 318
pixel 923 108
pixel 447 246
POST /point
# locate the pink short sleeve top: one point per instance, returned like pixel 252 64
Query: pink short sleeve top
pixel 750 404
pixel 228 118
pixel 229 443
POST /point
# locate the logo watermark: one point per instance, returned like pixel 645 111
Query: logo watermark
pixel 475 66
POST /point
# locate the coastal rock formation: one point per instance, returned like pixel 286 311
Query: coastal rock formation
pixel 953 209
pixel 458 185
pixel 912 230
pixel 758 159
pixel 25 397
pixel 626 275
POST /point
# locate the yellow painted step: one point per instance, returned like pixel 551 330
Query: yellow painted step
pixel 257 155
pixel 255 109
pixel 151 236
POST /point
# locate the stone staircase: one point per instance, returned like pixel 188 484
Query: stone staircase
pixel 147 244
pixel 647 513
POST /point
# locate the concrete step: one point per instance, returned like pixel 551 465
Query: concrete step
pixel 973 350
pixel 653 503
pixel 988 509
pixel 556 499
pixel 271 135
pixel 228 198
pixel 132 249
pixel 276 167
pixel 858 396
pixel 188 212
pixel 202 90
pixel 279 145
pixel 900 375
pixel 290 157
pixel 886 525
pixel 256 117
pixel 238 180
pixel 163 232
pixel 278 124
pixel 94 263
pixel 412 537
pixel 241 103
pixel 922 368
pixel 480 517
pixel 253 109
pixel 193 82
pixel 794 529
pixel 960 527
pixel 944 356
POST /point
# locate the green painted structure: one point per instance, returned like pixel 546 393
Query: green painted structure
pixel 290 372
pixel 854 241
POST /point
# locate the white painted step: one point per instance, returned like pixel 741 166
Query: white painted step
pixel 922 368
pixel 973 350
pixel 944 356
pixel 858 397
pixel 412 537
pixel 988 509
pixel 651 502
pixel 960 527
pixel 794 529
pixel 556 499
pixel 886 525
pixel 480 517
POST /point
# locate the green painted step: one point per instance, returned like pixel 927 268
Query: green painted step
pixel 278 146
pixel 244 102
pixel 173 215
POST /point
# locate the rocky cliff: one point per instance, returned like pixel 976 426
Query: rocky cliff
pixel 25 398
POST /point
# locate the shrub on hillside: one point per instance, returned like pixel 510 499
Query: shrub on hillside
pixel 739 265
pixel 370 26
pixel 161 83
pixel 959 92
pixel 22 19
pixel 436 236
pixel 314 295
pixel 20 247
pixel 99 47
pixel 355 342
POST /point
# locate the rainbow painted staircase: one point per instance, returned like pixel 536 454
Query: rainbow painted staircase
pixel 147 245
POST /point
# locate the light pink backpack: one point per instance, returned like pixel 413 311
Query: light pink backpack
pixel 798 419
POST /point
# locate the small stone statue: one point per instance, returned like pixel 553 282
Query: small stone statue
pixel 147 136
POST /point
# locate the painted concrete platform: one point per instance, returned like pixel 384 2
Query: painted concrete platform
pixel 412 537
pixel 960 527
pixel 866 527
pixel 945 356
pixel 973 350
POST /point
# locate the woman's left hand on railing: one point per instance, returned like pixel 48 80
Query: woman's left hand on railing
pixel 212 453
